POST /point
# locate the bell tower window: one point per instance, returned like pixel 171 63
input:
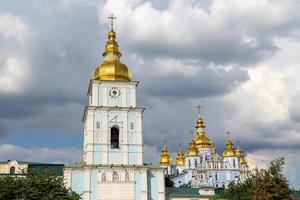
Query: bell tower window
pixel 114 137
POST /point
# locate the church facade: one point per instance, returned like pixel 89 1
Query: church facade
pixel 202 167
pixel 112 167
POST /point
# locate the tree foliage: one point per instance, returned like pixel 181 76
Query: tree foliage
pixel 263 184
pixel 168 181
pixel 34 187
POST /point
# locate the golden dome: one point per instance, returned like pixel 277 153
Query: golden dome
pixel 229 150
pixel 202 141
pixel 239 151
pixel 192 151
pixel 165 158
pixel 180 158
pixel 112 68
pixel 243 160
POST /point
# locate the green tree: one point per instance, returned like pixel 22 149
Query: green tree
pixel 34 187
pixel 168 181
pixel 263 184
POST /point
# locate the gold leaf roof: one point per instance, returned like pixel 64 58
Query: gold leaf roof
pixel 229 150
pixel 201 140
pixel 165 158
pixel 112 68
pixel 180 158
pixel 192 151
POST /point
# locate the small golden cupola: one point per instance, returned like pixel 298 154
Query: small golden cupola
pixel 240 154
pixel 165 158
pixel 180 158
pixel 213 149
pixel 112 69
pixel 239 151
pixel 229 149
pixel 201 140
pixel 192 151
pixel 243 160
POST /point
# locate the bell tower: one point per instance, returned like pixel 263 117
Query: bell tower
pixel 112 120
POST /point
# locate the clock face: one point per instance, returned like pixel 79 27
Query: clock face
pixel 114 92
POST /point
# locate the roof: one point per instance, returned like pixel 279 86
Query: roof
pixel 189 192
pixel 28 162
pixel 296 194
pixel 83 165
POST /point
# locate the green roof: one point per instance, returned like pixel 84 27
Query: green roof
pixel 296 193
pixel 188 192
pixel 191 192
pixel 83 164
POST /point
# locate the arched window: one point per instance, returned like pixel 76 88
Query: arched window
pixel 103 178
pixel 233 163
pixel 115 176
pixel 189 163
pixel 216 177
pixel 12 170
pixel 114 137
pixel 217 186
pixel 126 176
pixel 196 163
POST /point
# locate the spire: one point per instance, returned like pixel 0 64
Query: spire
pixel 213 149
pixel 239 151
pixel 112 68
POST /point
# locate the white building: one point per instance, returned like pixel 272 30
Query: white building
pixel 113 166
pixel 202 166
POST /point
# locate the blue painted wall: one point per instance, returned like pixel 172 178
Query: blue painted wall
pixel 77 182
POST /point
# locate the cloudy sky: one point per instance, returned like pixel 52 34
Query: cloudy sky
pixel 240 59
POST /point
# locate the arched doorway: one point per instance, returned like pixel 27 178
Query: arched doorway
pixel 12 170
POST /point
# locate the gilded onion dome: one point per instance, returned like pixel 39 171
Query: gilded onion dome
pixel 202 141
pixel 192 151
pixel 243 160
pixel 112 68
pixel 229 150
pixel 180 158
pixel 165 158
pixel 239 151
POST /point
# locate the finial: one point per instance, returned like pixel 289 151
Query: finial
pixel 228 133
pixel 165 141
pixel 192 133
pixel 112 18
pixel 238 142
pixel 199 108
pixel 180 145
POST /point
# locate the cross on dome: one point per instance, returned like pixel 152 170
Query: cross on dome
pixel 228 133
pixel 112 18
pixel 199 108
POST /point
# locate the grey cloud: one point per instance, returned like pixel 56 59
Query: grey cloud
pixel 205 83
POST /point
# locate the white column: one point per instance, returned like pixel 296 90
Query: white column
pixel 161 186
pixel 125 139
pixel 68 178
pixel 87 185
pixel 144 194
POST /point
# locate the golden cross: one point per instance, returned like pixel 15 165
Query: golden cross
pixel 112 18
